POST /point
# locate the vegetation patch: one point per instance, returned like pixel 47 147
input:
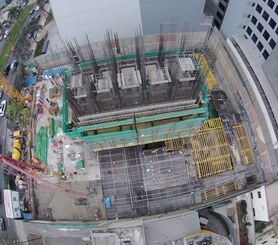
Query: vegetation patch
pixel 17 113
pixel 49 18
pixel 13 36
pixel 39 46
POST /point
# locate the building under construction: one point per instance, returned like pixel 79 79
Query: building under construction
pixel 166 134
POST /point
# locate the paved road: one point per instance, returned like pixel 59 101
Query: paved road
pixel 67 234
pixel 3 131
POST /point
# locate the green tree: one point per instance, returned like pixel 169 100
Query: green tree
pixel 7 238
pixel 42 3
pixel 34 27
pixel 13 12
pixel 5 24
pixel 18 113
pixel 22 47
pixel 13 111
pixel 260 226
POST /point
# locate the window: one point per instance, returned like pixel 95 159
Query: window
pixel 216 23
pixel 259 8
pixel 219 15
pixel 259 194
pixel 254 20
pixel 265 54
pixel 249 31
pixel 272 23
pixel 251 195
pixel 260 27
pixel 272 43
pixel 260 46
pixel 222 7
pixel 254 38
pixel 265 15
pixel 270 3
pixel 254 212
pixel 266 35
pixel 276 10
pixel 276 31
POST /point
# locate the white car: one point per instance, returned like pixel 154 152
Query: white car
pixel 6 34
pixel 3 107
pixel 37 8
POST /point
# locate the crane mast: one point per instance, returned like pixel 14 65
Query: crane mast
pixel 9 89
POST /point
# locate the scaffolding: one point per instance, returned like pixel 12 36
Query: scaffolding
pixel 243 143
pixel 211 149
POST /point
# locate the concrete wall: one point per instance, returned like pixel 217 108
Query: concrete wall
pixel 259 203
pixel 76 18
pixel 271 71
pixel 272 199
pixel 234 18
pixel 165 12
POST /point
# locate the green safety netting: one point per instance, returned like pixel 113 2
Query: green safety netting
pixel 53 128
pixel 42 144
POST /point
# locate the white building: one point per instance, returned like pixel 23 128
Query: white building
pixel 75 19
pixel 251 30
pixel 265 202
pixel 12 204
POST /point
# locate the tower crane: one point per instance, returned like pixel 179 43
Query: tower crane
pixel 10 90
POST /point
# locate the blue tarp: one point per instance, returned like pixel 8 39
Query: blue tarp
pixel 52 73
pixel 107 202
pixel 30 80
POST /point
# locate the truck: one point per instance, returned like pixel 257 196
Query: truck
pixel 16 152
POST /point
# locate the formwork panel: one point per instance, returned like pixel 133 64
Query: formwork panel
pixel 218 191
pixel 243 143
pixel 211 149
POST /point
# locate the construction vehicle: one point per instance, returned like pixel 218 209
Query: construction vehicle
pixel 18 134
pixel 9 89
pixel 16 153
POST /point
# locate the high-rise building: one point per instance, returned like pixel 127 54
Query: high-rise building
pixel 75 19
pixel 250 28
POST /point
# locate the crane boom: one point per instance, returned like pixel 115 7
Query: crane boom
pixel 21 167
pixel 9 89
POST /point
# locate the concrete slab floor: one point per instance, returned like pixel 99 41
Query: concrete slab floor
pixel 64 206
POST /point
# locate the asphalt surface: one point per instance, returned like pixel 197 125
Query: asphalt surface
pixel 10 224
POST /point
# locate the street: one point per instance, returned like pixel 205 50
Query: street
pixel 10 223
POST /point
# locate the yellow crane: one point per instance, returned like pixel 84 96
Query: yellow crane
pixel 9 89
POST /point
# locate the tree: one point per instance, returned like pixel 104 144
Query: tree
pixel 7 238
pixel 22 47
pixel 5 24
pixel 34 27
pixel 17 113
pixel 13 111
pixel 41 4
pixel 13 12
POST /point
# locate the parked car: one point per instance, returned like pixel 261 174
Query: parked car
pixel 32 11
pixel 14 65
pixel 6 33
pixel 3 107
pixel 2 224
pixel 30 34
pixel 7 70
pixel 37 8
pixel 1 93
pixel 1 37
